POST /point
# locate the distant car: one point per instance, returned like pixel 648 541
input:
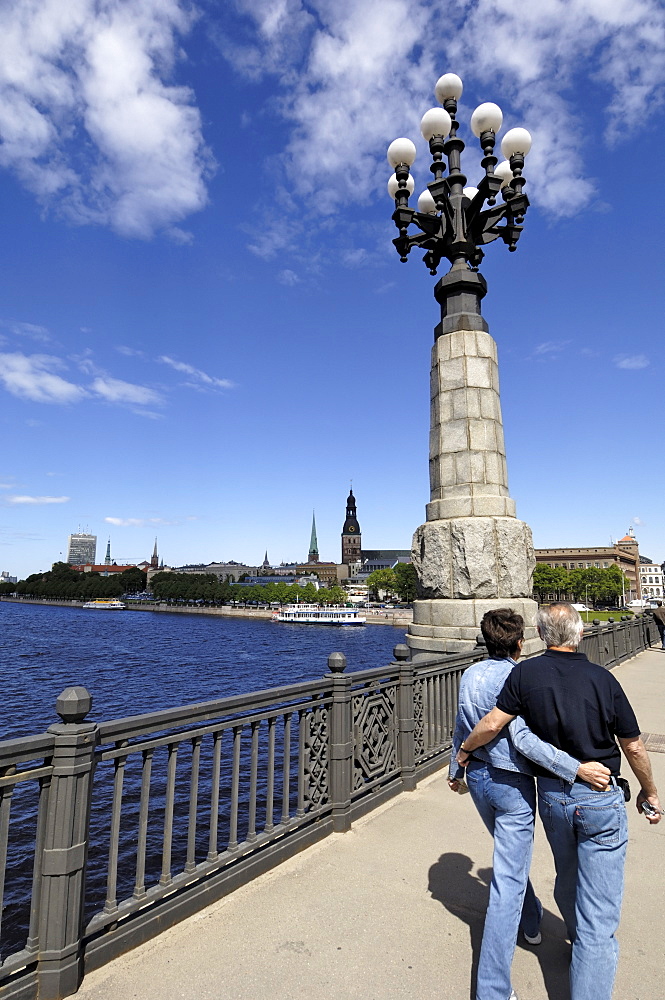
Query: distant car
pixel 582 607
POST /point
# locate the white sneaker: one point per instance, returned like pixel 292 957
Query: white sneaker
pixel 532 940
pixel 513 995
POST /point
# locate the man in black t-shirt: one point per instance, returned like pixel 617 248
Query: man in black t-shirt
pixel 581 708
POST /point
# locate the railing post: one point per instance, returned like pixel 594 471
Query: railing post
pixel 613 633
pixel 406 722
pixel 65 852
pixel 594 649
pixel 341 744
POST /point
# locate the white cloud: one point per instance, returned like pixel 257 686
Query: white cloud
pixel 638 522
pixel 288 277
pixel 631 362
pixel 180 236
pixel 273 237
pixel 89 118
pixel 199 379
pixel 84 362
pixel 355 258
pixel 136 522
pixel 114 390
pixel 130 352
pixel 550 348
pixel 36 500
pixel 31 330
pixel 32 377
pixel 355 73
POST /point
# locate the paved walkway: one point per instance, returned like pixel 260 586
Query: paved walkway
pixel 395 907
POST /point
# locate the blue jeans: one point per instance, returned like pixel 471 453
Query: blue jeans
pixel 588 832
pixel 506 801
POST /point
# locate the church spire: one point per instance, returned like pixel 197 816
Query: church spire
pixel 266 564
pixel 313 556
pixel 154 561
pixel 351 544
pixel 107 561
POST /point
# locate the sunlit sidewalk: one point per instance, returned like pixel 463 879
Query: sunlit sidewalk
pixel 395 908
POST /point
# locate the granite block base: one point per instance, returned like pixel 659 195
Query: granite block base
pixel 451 626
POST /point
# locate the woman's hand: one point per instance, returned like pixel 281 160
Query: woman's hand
pixel 594 774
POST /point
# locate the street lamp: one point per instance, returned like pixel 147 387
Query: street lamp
pixel 472 554
pixel 452 219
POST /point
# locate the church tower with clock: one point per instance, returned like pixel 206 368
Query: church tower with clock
pixel 350 533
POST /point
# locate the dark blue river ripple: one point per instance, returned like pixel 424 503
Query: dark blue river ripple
pixel 135 662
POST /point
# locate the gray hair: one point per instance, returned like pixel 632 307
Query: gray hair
pixel 560 625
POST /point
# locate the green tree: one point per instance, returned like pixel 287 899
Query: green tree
pixel 578 583
pixel 309 594
pixel 615 584
pixel 561 580
pixel 407 581
pixel 281 592
pixel 594 584
pixel 331 595
pixel 133 580
pixel 270 593
pixel 223 591
pixel 382 580
pixel 63 571
pixel 543 581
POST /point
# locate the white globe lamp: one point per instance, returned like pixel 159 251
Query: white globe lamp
pixel 401 151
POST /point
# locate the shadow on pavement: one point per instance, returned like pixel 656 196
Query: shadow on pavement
pixel 466 894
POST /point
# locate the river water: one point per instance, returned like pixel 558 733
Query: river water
pixel 134 662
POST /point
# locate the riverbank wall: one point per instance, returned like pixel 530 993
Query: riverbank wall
pixel 225 611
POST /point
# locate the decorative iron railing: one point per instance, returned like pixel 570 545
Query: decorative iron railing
pixel 110 833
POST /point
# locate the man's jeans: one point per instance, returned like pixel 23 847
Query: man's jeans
pixel 588 832
pixel 506 801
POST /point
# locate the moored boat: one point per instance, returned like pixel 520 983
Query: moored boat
pixel 105 604
pixel 315 614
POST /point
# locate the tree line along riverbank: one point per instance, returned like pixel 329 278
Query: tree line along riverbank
pixel 63 582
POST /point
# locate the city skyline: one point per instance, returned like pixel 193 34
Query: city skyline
pixel 204 329
pixel 109 544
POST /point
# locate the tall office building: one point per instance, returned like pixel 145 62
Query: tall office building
pixel 82 549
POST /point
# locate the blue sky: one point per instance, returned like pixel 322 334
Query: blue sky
pixel 205 331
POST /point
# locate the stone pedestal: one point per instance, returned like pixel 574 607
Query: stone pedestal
pixel 472 554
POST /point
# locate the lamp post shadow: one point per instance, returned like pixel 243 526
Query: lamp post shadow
pixel 465 895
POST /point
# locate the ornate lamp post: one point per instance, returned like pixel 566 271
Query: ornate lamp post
pixel 472 554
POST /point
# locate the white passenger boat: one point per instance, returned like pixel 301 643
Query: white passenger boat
pixel 315 614
pixel 106 604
